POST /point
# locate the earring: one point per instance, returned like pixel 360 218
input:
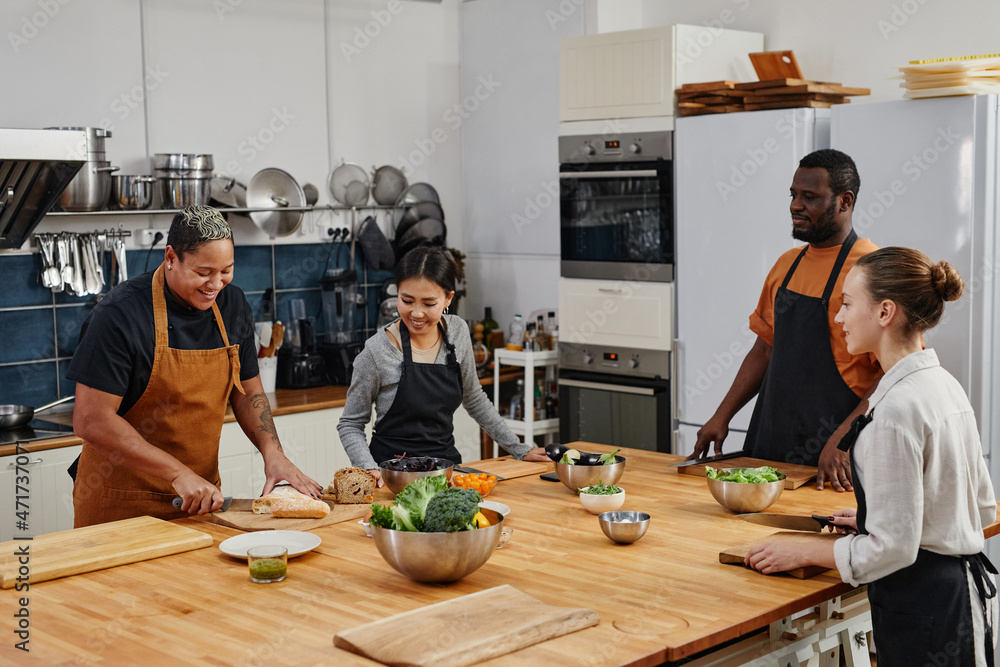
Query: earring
pixel 446 310
pixel 170 266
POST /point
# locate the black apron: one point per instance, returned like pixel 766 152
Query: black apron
pixel 803 398
pixel 420 421
pixel 922 614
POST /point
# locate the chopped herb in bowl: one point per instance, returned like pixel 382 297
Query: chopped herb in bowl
pixel 601 490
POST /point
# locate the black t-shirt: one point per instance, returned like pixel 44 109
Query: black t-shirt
pixel 115 352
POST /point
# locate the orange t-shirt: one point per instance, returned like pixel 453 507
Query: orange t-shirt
pixel 810 278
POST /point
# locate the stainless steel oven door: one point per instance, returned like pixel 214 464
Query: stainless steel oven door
pixel 616 411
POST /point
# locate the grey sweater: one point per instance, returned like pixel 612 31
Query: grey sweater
pixel 377 370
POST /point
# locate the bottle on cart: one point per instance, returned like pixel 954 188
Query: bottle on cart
pixel 530 339
pixel 553 329
pixel 517 402
pixel 516 340
pixel 489 325
pixel 542 334
pixel 552 401
pixel 480 354
pixel 539 401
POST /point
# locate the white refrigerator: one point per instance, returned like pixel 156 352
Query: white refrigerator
pixel 929 180
pixel 732 176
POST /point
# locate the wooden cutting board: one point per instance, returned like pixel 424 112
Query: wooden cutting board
pixel 99 547
pixel 736 555
pixel 510 468
pixel 775 65
pixel 795 475
pixel 240 516
pixel 465 630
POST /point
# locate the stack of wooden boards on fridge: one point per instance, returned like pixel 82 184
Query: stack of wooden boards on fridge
pixel 971 75
pixel 729 96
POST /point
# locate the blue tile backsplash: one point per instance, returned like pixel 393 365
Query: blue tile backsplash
pixel 40 329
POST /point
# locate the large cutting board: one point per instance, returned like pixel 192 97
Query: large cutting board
pixel 795 475
pixel 736 555
pixel 511 468
pixel 105 545
pixel 240 516
pixel 465 630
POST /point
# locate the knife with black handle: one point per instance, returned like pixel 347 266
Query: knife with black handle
pixel 226 502
pixel 710 459
pixel 813 523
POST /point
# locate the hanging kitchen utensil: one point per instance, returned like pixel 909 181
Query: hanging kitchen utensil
pixel 275 189
pixel 50 274
pixel 388 183
pixel 312 194
pixel 426 232
pixel 417 212
pixel 119 250
pixel 416 193
pixel 378 251
pixel 229 192
pixel 341 178
pixel 356 193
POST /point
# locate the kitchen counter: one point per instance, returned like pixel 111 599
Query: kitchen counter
pixel 663 598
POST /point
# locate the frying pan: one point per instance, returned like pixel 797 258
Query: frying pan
pixel 16 415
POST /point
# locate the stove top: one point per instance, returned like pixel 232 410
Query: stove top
pixel 36 429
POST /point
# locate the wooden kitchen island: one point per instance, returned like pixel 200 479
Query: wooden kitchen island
pixel 662 599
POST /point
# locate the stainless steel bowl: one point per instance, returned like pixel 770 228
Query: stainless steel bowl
pixel 130 192
pixel 397 481
pixel 741 497
pixel 181 192
pixel 624 527
pixel 184 161
pixel 577 476
pixel 439 557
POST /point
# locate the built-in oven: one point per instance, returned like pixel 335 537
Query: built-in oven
pixel 616 206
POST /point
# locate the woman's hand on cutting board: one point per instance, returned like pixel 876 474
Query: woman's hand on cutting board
pixel 775 557
pixel 537 454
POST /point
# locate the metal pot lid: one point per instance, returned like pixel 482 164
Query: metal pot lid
pixel 349 184
pixel 417 212
pixel 425 232
pixel 275 189
pixel 418 192
pixel 388 183
pixel 229 192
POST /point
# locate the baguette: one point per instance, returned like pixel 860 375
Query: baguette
pixel 299 508
pixel 262 505
pixel 353 486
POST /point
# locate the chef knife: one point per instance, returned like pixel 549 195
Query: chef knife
pixel 476 471
pixel 812 523
pixel 226 502
pixel 710 459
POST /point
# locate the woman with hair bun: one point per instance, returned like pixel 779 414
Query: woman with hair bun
pixel 417 372
pixel 923 488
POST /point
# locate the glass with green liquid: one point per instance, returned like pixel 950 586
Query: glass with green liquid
pixel 267 564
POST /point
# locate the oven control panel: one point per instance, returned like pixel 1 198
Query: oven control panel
pixel 615 360
pixel 624 147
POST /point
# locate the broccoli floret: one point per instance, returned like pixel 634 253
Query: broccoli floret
pixel 411 502
pixel 381 516
pixel 452 510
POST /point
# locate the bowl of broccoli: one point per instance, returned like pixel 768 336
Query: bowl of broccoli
pixel 743 490
pixel 434 533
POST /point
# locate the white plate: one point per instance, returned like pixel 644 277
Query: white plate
pixel 499 508
pixel 296 541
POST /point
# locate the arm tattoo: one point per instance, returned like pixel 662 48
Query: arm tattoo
pixel 260 402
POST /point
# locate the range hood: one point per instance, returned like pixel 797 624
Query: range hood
pixel 35 167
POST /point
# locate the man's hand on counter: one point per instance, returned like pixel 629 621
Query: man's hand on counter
pixel 199 495
pixel 277 468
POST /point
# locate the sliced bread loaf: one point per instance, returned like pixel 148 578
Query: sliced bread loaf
pixel 353 486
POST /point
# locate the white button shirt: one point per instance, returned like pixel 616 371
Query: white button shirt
pixel 921 465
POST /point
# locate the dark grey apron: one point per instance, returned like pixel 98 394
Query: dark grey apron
pixel 420 420
pixel 803 398
pixel 922 614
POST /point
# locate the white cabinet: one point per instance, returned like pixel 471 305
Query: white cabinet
pixel 236 456
pixel 311 441
pixel 633 73
pixel 48 490
pixel 529 427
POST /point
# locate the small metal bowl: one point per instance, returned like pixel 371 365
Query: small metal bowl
pixel 742 497
pixel 624 527
pixel 397 481
pixel 439 557
pixel 577 476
